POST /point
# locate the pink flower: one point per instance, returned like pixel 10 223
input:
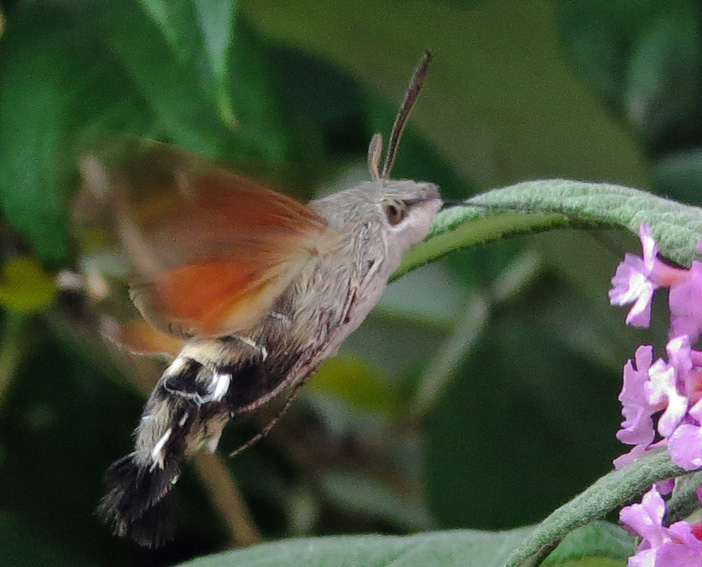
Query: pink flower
pixel 632 283
pixel 637 278
pixel 685 303
pixel 685 444
pixel 637 427
pixel 670 389
pixel 646 519
pixel 683 549
pixel 684 433
pixel 661 391
pixel 661 546
pixel 631 456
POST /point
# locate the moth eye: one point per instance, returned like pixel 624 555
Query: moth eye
pixel 395 211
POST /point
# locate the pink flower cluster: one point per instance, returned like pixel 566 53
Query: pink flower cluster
pixel 669 389
pixel 662 400
pixel 675 546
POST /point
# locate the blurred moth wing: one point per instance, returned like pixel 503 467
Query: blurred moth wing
pixel 211 250
pixel 140 337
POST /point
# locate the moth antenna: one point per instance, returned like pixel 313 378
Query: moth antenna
pixel 374 150
pixel 273 422
pixel 411 95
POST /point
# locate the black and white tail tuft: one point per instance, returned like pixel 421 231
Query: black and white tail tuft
pixel 139 501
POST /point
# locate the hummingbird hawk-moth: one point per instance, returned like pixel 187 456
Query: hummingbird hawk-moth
pixel 246 290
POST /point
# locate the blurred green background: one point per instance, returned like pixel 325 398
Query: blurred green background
pixel 481 393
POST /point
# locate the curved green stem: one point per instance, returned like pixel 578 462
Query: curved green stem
pixel 608 493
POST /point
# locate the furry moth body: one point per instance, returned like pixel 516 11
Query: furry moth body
pixel 300 280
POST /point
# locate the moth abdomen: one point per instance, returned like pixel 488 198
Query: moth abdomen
pixel 183 413
pixel 139 502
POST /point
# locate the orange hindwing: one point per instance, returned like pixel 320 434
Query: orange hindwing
pixel 211 251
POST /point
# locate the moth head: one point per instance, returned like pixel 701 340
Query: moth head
pixel 399 212
pixel 406 209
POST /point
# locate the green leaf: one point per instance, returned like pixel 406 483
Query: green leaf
pixel 261 122
pixel 355 382
pixel 542 205
pixel 204 46
pixel 598 539
pixel 159 48
pixel 55 79
pixel 663 75
pixel 459 548
pixel 642 58
pixel 136 66
pixel 215 19
pixel 24 286
pixel 208 83
pixel 462 548
pixel 36 91
pixel 500 104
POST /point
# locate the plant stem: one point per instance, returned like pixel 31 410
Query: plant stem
pixel 441 367
pixel 470 326
pixel 225 495
pixel 609 492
